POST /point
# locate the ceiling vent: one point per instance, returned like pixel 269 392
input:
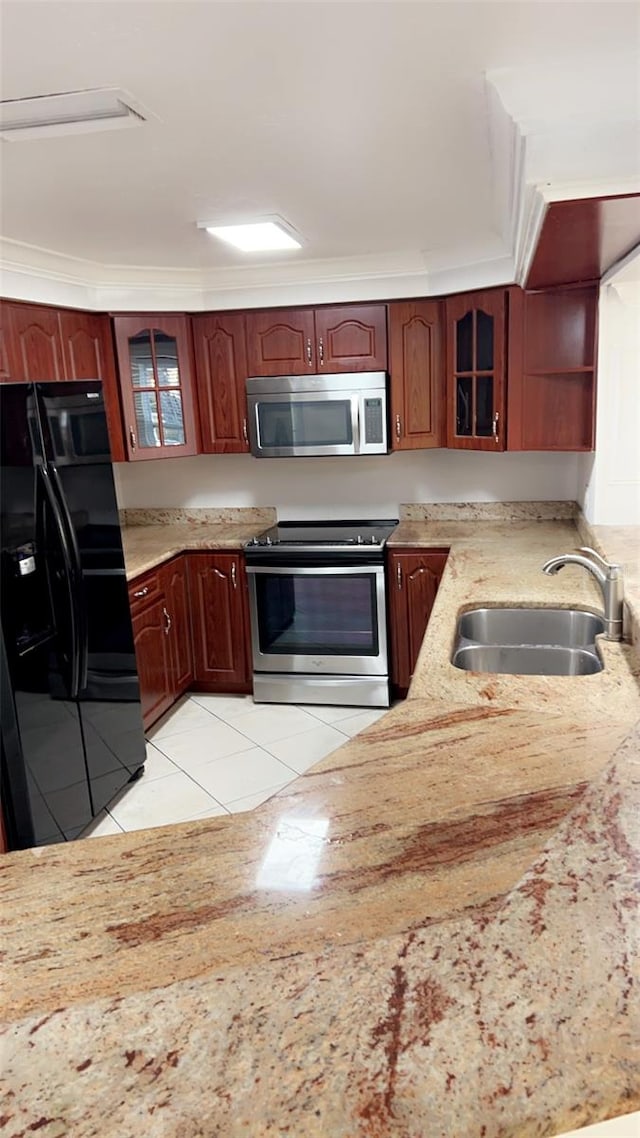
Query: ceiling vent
pixel 72 112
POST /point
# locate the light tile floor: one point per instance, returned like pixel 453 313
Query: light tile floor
pixel 220 754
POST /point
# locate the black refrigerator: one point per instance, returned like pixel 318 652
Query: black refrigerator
pixel 71 723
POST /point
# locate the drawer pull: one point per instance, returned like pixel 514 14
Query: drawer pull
pixel 309 357
pixel 399 577
pixel 245 432
pixel 398 427
pixel 234 579
pixel 167 621
pixel 321 352
pixel 141 592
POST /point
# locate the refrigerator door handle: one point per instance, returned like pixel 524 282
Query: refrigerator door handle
pixel 78 592
pixel 66 555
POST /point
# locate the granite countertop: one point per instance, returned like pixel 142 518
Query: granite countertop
pixel 150 537
pixel 430 933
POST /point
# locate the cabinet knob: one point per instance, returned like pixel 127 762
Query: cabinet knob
pixel 398 427
pixel 167 621
pixel 234 578
pixel 496 420
pixel 321 351
pixel 309 355
pixel 132 438
pixel 399 577
pixel 245 432
pixel 141 592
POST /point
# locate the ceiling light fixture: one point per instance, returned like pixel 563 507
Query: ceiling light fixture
pixel 70 112
pixel 256 236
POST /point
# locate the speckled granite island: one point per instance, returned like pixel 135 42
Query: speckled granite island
pixel 433 933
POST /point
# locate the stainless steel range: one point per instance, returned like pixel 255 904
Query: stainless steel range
pixel 318 613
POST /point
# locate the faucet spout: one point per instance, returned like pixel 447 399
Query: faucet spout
pixel 609 578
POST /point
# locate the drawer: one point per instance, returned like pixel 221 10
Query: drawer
pixel 145 590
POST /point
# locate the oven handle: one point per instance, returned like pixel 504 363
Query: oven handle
pixel 328 570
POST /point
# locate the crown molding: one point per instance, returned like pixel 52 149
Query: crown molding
pixel 45 276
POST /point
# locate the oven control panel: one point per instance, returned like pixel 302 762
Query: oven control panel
pixel 373 421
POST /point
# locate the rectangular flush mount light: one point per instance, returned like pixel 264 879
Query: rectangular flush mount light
pixel 255 237
pixel 71 112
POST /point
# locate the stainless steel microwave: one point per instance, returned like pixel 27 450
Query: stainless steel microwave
pixel 293 416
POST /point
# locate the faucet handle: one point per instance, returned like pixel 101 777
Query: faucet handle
pixel 597 557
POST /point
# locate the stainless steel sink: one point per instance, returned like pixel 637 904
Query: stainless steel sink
pixel 528 642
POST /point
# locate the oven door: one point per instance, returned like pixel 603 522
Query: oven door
pixel 318 620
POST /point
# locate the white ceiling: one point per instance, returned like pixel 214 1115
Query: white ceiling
pixel 365 125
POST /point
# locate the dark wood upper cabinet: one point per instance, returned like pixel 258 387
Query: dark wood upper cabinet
pixel 34 350
pixel 156 385
pixel 281 342
pixel 413 579
pixel 552 368
pixel 299 341
pixel 221 371
pixel 475 353
pixel 5 335
pixel 87 349
pixel 416 361
pixel 353 338
pixel 219 618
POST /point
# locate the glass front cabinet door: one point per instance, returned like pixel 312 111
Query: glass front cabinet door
pixel 154 361
pixel 476 371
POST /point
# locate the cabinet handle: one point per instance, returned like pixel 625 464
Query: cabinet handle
pixel 321 351
pixel 132 438
pixel 167 621
pixel 398 427
pixel 399 577
pixel 234 579
pixel 496 420
pixel 245 432
pixel 141 592
pixel 309 357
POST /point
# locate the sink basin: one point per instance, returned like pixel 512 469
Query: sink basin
pixel 528 642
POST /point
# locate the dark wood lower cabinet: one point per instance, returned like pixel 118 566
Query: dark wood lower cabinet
pixel 176 590
pixel 413 579
pixel 219 621
pixel 191 629
pixel 153 657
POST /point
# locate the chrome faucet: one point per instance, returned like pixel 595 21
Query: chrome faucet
pixel 609 578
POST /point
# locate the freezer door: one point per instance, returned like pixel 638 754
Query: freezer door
pixel 82 476
pixel 44 776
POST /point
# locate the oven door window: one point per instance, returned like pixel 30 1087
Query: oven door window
pixel 305 423
pixel 317 615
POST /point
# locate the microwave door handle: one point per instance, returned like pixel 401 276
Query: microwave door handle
pixel 355 423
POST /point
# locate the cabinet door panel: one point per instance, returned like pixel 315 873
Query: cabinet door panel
pixel 217 588
pixel 281 342
pixel 414 578
pixel 5 367
pixel 221 372
pixel 475 352
pixel 353 338
pixel 34 348
pixel 156 383
pixel 176 591
pixel 88 354
pixel 417 374
pixel 153 659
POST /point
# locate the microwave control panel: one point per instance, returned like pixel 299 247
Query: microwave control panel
pixel 373 420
